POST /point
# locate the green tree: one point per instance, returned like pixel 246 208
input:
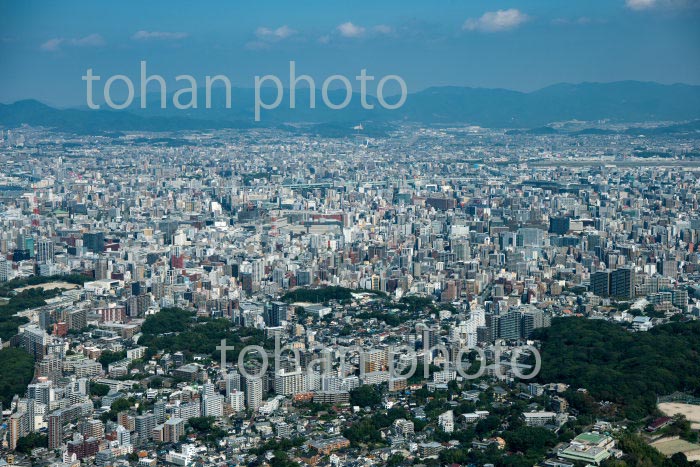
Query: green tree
pixel 25 444
pixel 99 390
pixel 16 372
pixel 365 396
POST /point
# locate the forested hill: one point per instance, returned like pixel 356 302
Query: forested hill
pixel 629 369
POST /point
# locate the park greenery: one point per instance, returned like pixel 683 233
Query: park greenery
pixel 16 372
pixel 318 295
pixel 628 369
pixel 26 444
pixel 173 330
pixel 640 454
pixel 27 299
pixel 107 357
pixel 7 288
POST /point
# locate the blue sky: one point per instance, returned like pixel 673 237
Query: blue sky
pixel 45 47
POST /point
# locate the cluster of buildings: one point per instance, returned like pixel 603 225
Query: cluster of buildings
pixel 447 241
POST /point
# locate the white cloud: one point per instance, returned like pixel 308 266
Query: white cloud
pixel 158 35
pixel 640 4
pixel 493 21
pixel 92 40
pixel 281 32
pixel 351 30
pixel 383 29
pixel 52 44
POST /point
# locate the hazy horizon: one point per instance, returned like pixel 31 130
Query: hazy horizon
pixel 46 48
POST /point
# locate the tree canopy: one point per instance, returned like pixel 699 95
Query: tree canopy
pixel 628 369
pixel 16 372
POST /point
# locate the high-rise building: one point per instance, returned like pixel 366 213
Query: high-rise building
pixel 289 383
pixel 600 283
pixel 40 392
pixel 94 242
pixel 509 325
pixel 55 429
pixel 559 225
pixel 233 382
pixel 4 269
pixel 253 393
pixel 173 430
pixel 18 427
pixel 44 251
pixel 374 360
pixel 622 283
pixel 159 411
pixel 123 435
pixel 144 425
pixel 213 405
pixel 34 340
pixel 237 400
pixel 276 313
pixel 102 268
pixel 76 319
pixel 533 319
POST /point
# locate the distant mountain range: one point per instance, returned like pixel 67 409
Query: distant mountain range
pixel 618 102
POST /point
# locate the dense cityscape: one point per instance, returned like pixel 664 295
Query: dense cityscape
pixel 439 295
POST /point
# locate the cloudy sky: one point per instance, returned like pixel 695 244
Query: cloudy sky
pixel 45 47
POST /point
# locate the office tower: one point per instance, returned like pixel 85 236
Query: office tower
pixel 94 242
pixel 26 243
pixel 509 325
pixel 4 269
pixel 600 283
pixel 102 268
pixel 303 277
pixel 530 237
pixel 559 225
pixel 254 393
pixel 622 283
pixel 276 313
pixel 246 280
pixel 44 319
pixel 44 251
pixel 531 320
